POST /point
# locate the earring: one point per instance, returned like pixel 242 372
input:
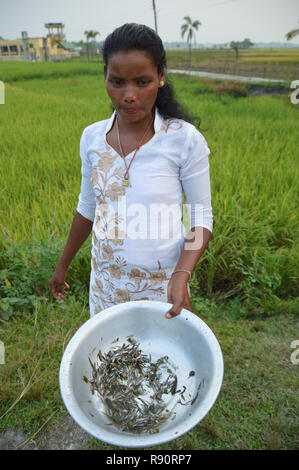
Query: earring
pixel 161 83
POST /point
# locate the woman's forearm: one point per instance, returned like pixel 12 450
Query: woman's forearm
pixel 80 229
pixel 195 244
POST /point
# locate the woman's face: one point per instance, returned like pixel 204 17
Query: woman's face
pixel 132 82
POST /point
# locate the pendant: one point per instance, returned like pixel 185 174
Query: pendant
pixel 125 182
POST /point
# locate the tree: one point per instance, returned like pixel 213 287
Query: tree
pixel 190 27
pixel 90 35
pixel 235 46
pixel 291 34
pixel 83 46
pixel 245 44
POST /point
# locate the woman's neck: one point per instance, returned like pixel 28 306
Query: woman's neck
pixel 135 127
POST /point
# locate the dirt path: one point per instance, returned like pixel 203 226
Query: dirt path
pixel 64 434
pixel 229 77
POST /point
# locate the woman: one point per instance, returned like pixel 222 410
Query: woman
pixel 139 161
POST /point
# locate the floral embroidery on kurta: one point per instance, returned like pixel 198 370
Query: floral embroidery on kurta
pixel 108 265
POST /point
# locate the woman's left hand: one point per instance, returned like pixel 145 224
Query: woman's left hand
pixel 177 294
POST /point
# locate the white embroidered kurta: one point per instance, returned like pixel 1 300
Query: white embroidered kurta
pixel 138 233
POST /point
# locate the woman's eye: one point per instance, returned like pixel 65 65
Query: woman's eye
pixel 118 83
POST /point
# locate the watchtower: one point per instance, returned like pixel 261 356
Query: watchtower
pixel 55 30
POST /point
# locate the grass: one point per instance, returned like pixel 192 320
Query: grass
pixel 244 287
pixel 32 354
pixel 256 408
pixel 15 71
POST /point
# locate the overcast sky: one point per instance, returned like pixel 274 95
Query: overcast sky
pixel 221 20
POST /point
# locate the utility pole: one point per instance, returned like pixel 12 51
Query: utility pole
pixel 155 16
pixel 25 45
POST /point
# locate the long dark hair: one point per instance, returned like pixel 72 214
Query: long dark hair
pixel 132 36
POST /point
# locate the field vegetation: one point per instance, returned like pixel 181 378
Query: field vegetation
pixel 265 63
pixel 244 287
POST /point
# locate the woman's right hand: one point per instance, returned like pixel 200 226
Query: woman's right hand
pixel 57 284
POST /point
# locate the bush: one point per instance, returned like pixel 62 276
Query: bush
pixel 27 269
pixel 234 89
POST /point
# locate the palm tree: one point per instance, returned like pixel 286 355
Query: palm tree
pixel 291 34
pixel 190 27
pixel 236 49
pixel 234 45
pixel 90 34
pixel 87 34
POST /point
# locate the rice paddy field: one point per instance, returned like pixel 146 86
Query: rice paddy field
pixel 277 63
pixel 245 287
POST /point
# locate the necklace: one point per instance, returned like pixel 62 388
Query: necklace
pixel 126 181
